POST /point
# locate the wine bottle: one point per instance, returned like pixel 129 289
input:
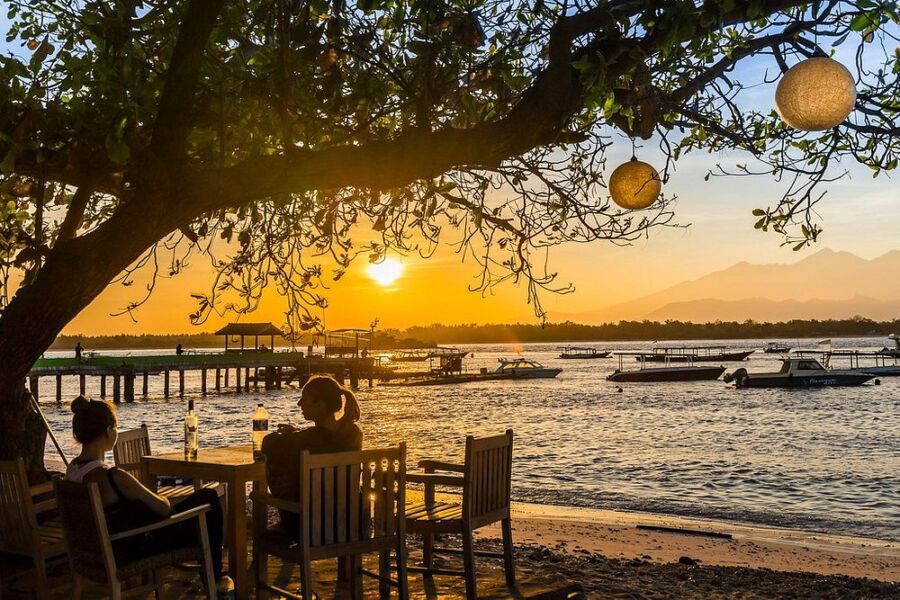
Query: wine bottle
pixel 191 433
pixel 260 428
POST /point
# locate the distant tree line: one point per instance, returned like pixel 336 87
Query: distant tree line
pixel 430 335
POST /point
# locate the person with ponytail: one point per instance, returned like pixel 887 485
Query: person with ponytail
pixel 321 400
pixel 127 503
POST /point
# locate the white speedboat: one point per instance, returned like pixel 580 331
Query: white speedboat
pixel 798 373
pixel 523 368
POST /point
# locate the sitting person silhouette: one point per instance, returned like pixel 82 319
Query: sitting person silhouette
pixel 320 401
pixel 128 504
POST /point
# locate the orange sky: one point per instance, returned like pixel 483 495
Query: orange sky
pixel 859 215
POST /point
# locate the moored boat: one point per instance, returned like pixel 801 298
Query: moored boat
pixel 581 352
pixel 798 373
pixel 776 348
pixel 523 368
pixel 695 354
pixel 688 372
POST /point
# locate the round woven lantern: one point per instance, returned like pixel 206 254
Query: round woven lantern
pixel 634 185
pixel 815 94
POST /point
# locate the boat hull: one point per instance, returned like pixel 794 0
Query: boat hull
pixel 535 373
pixel 830 379
pixel 721 357
pixel 668 374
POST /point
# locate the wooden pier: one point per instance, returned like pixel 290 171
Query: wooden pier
pixel 218 371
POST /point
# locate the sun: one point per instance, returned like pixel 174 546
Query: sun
pixel 386 272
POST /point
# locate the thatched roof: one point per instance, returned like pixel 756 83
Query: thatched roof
pixel 250 329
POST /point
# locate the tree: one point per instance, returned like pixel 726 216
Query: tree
pixel 270 133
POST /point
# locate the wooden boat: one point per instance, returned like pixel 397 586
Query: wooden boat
pixel 666 373
pixel 798 373
pixel 580 352
pixel 776 348
pixel 695 354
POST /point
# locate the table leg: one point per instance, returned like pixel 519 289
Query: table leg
pixel 237 537
pixel 260 519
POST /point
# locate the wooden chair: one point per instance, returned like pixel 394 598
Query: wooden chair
pixel 134 444
pixel 93 557
pixel 20 531
pixel 485 479
pixel 350 504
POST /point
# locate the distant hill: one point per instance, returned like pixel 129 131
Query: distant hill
pixel 825 285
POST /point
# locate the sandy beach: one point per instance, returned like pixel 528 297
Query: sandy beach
pixel 611 557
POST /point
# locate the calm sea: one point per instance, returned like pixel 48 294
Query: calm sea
pixel 813 459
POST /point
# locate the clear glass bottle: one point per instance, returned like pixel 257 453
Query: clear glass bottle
pixel 260 428
pixel 191 433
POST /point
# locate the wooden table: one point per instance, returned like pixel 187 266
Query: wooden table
pixel 234 466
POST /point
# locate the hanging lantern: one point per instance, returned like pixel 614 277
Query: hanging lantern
pixel 634 185
pixel 815 94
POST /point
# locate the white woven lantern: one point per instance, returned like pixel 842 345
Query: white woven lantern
pixel 815 94
pixel 634 185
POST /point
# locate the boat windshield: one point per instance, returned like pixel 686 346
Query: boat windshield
pixel 809 365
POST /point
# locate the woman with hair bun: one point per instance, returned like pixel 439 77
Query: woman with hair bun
pixel 127 503
pixel 321 399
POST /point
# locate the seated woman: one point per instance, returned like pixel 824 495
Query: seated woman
pixel 320 401
pixel 127 503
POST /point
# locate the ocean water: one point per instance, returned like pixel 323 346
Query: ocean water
pixel 825 459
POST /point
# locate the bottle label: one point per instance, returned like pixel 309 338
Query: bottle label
pixel 260 424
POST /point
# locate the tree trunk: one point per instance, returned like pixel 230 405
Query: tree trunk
pixel 74 273
pixel 23 431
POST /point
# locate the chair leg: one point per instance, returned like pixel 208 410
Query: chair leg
pixel 356 577
pixel 469 564
pixel 384 569
pixel 306 580
pixel 402 579
pixel 428 552
pixel 115 590
pixel 509 566
pixel 207 573
pixel 261 564
pixel 344 566
pixel 77 587
pixel 40 570
pixel 156 578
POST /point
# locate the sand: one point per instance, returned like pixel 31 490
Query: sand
pixel 610 557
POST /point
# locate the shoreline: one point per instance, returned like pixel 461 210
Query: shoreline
pixel 614 534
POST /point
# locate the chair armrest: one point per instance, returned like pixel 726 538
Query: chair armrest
pixel 433 479
pixel 439 465
pixel 270 500
pixel 41 488
pixel 194 513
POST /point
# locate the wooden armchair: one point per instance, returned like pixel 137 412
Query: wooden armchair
pixel 92 554
pixel 134 444
pixel 350 504
pixel 20 531
pixel 485 479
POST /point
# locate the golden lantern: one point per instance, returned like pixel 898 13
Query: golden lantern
pixel 815 94
pixel 634 185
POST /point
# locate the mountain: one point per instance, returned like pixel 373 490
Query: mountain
pixel 827 284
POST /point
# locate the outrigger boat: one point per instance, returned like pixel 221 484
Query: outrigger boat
pixel 776 348
pixel 694 354
pixel 519 368
pixel 423 354
pixel 580 352
pixel 798 373
pixel 668 373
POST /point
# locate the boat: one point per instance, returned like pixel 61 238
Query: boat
pixel 688 372
pixel 798 373
pixel 776 348
pixel 423 354
pixel 857 358
pixel 892 352
pixel 523 368
pixel 580 352
pixel 694 354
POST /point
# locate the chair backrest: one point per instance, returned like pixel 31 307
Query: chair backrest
pixel 84 526
pixel 352 497
pixel 17 519
pixel 488 477
pixel 129 448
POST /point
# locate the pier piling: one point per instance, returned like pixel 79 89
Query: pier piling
pixel 34 384
pixel 129 387
pixel 81 384
pixel 117 388
pixel 58 388
pixel 145 386
pixel 181 383
pixel 166 383
pixel 218 380
pixel 203 381
pixel 103 386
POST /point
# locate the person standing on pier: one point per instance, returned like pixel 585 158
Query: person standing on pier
pixel 79 350
pixel 320 402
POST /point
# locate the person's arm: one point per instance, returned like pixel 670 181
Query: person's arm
pixel 135 490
